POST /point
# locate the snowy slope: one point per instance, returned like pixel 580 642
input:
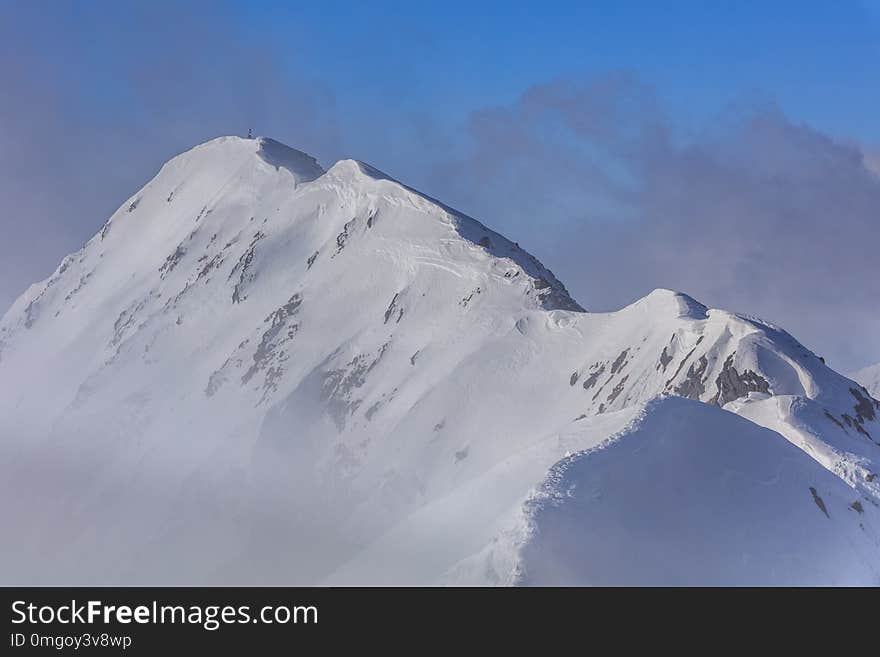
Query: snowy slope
pixel 870 378
pixel 259 371
pixel 692 495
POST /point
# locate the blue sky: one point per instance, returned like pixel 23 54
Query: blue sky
pixel 390 61
pixel 597 134
pixel 817 59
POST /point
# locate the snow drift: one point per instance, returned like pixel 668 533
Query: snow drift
pixel 696 496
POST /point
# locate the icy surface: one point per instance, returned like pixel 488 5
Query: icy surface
pixel 262 372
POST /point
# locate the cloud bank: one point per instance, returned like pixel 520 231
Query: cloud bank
pixel 755 214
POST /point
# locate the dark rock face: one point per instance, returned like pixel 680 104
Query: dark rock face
pixel 619 362
pixel 864 406
pixel 835 420
pixel 391 307
pixel 342 238
pixel 682 363
pixel 617 390
pixel 209 266
pixel 693 385
pixel 267 357
pixel 338 386
pixel 242 268
pixel 126 321
pixel 865 411
pixel 665 359
pixel 464 302
pixel 172 260
pixel 819 502
pixel 31 313
pixel 591 380
pixel 270 355
pixel 732 385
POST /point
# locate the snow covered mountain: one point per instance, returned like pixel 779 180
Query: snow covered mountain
pixel 259 371
pixel 870 378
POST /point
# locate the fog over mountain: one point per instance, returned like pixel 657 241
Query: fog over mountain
pixel 260 370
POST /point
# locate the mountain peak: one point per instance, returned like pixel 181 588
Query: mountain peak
pixel 678 304
pixel 304 167
pixel 211 154
pixel 331 354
